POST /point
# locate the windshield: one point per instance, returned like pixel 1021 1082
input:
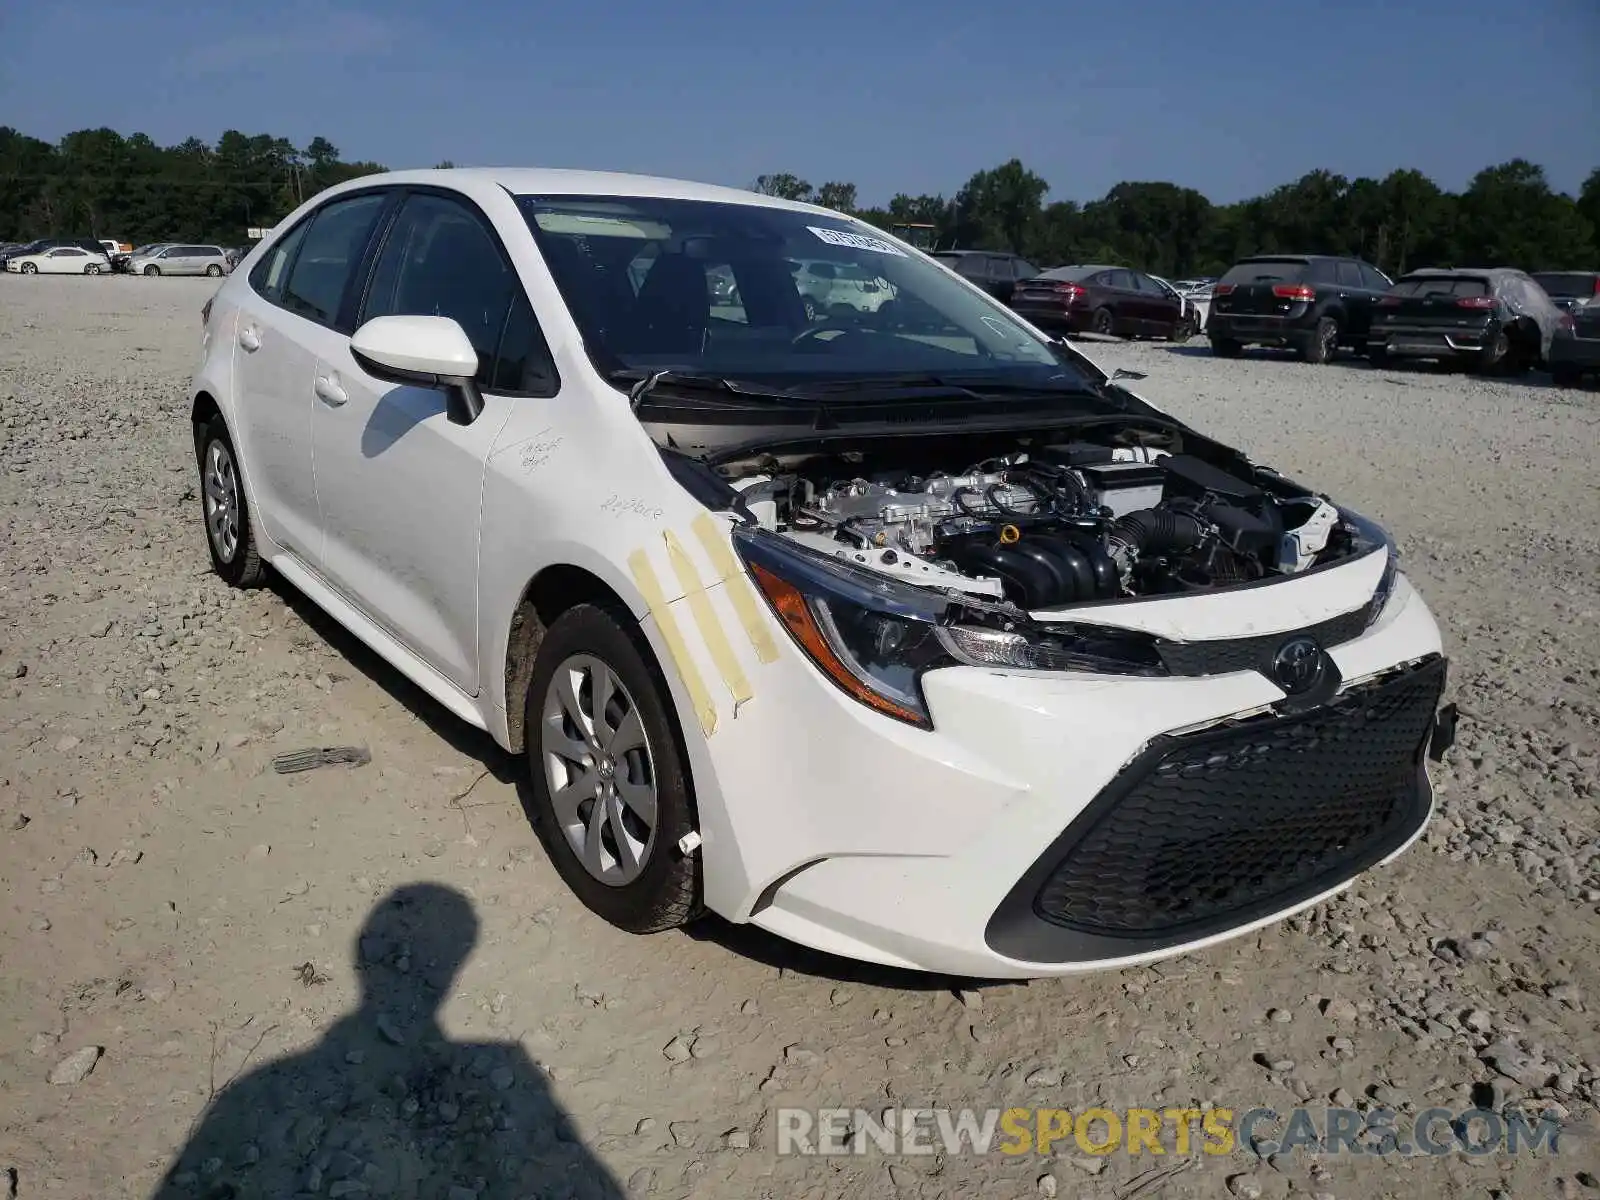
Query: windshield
pixel 749 292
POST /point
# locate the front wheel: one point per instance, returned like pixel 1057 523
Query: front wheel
pixel 1182 331
pixel 612 799
pixel 229 532
pixel 91 269
pixel 152 271
pixel 213 270
pixel 29 268
pixel 1102 322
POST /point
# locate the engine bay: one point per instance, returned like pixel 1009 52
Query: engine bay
pixel 1046 524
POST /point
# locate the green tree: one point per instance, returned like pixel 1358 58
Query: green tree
pixel 785 187
pixel 998 208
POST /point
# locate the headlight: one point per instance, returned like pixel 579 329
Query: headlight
pixel 874 637
pixel 1369 537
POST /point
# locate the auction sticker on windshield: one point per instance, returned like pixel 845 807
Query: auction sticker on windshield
pixel 838 237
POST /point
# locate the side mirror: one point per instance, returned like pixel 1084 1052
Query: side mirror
pixel 428 352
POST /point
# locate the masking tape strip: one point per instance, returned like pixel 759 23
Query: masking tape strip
pixel 737 585
pixel 706 618
pixel 644 577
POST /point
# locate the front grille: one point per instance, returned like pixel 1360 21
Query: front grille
pixel 1223 826
pixel 1256 653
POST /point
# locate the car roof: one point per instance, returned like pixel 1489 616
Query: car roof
pixel 550 181
pixel 1077 269
pixel 1459 272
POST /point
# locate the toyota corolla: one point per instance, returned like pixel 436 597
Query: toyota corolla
pixel 905 633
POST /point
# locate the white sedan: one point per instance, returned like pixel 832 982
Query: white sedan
pixel 910 635
pixel 63 260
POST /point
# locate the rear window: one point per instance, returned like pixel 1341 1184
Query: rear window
pixel 1568 283
pixel 1075 274
pixel 1453 287
pixel 1267 270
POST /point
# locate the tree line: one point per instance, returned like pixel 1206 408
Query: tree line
pixel 98 183
pixel 1509 215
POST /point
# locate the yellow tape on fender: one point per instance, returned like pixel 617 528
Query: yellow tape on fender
pixel 706 618
pixel 737 585
pixel 644 577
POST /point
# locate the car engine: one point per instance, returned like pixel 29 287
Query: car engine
pixel 1063 524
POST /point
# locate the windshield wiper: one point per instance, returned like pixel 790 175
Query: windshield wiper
pixel 978 389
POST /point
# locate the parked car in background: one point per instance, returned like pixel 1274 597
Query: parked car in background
pixel 113 247
pixel 1492 319
pixel 1110 301
pixel 1199 298
pixel 1311 303
pixel 995 272
pixel 181 259
pixel 1192 320
pixel 837 289
pixel 1570 290
pixel 119 262
pixel 1574 349
pixel 60 260
pixel 89 245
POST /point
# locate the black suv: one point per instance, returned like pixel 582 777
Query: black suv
pixel 994 271
pixel 1493 319
pixel 1312 303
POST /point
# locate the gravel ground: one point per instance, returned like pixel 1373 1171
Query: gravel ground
pixel 176 915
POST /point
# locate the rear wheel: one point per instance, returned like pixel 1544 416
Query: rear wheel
pixel 152 270
pixel 1493 356
pixel 1183 330
pixel 91 269
pixel 213 270
pixel 1226 347
pixel 1102 322
pixel 1324 340
pixel 611 791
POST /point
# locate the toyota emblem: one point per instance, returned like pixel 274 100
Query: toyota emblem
pixel 1299 665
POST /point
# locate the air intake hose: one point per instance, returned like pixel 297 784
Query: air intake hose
pixel 1151 531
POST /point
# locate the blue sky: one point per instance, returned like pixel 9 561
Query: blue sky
pixel 1229 96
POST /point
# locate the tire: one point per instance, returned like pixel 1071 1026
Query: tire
pixel 1182 331
pixel 224 509
pixel 1323 342
pixel 1102 322
pixel 152 270
pixel 29 268
pixel 1566 377
pixel 91 269
pixel 1226 347
pixel 213 270
pixel 1493 356
pixel 654 886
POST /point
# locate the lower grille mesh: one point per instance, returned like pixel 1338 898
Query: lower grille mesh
pixel 1253 816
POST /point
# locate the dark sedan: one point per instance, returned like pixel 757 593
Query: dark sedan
pixel 1111 301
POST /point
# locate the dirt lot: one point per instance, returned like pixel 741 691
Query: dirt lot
pixel 173 904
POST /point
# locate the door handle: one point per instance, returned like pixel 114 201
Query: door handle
pixel 250 339
pixel 329 391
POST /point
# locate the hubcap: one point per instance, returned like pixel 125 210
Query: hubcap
pixel 221 486
pixel 599 770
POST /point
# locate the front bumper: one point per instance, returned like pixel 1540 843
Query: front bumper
pixel 920 849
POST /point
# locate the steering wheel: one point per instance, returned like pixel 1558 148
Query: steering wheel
pixel 843 328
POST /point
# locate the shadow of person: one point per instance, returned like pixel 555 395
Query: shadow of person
pixel 385 1104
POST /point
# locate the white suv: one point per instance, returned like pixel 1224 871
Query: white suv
pixel 931 645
